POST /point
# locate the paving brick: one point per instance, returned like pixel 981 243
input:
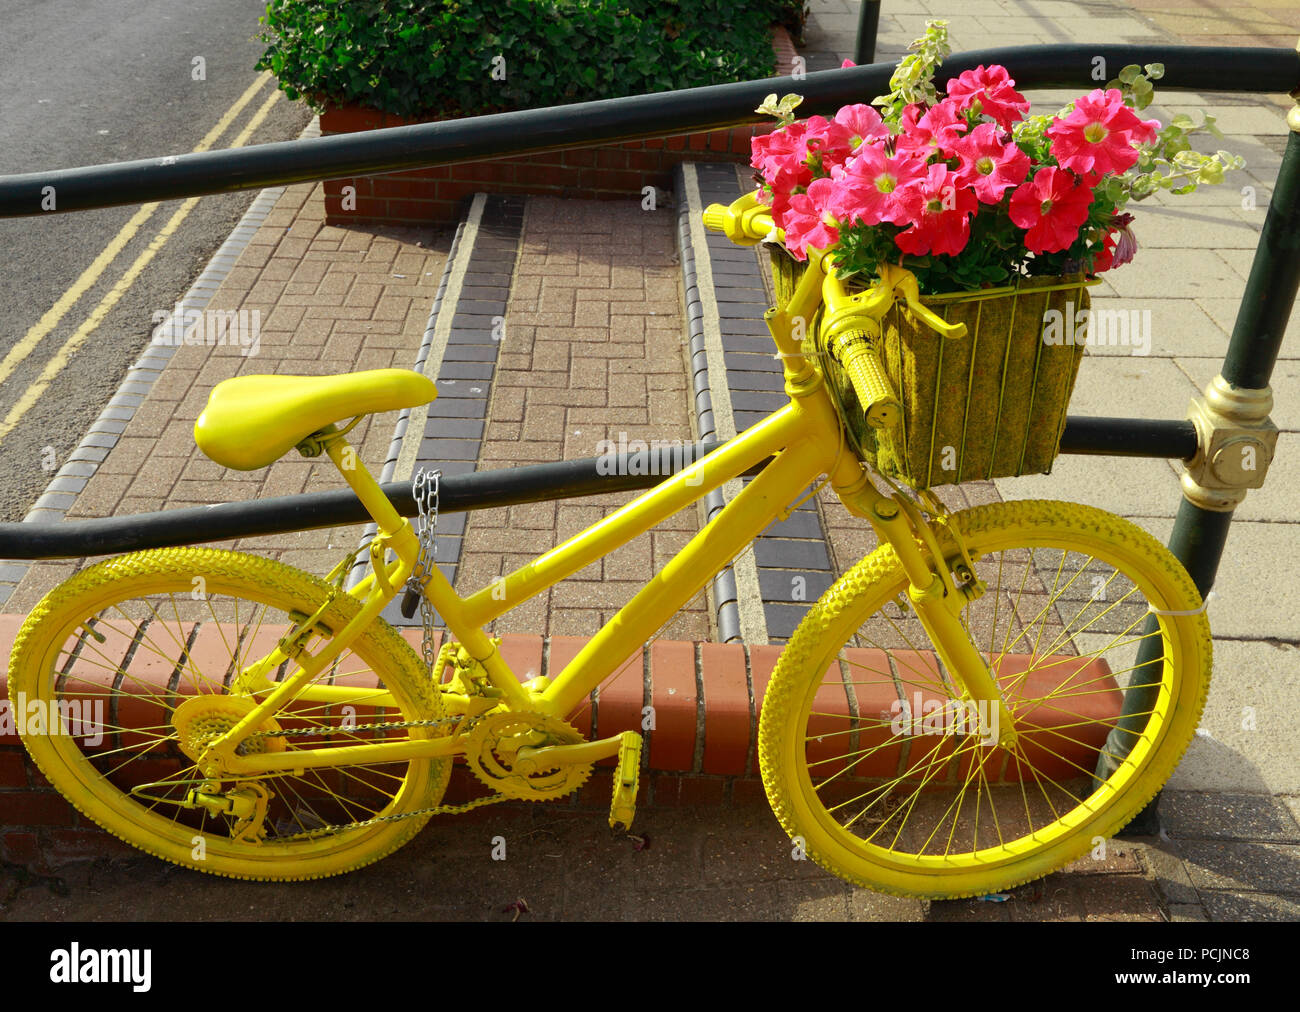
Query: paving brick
pixel 675 698
pixel 727 711
pixel 620 700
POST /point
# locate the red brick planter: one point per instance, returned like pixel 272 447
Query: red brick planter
pixel 604 172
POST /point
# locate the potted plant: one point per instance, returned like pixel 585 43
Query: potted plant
pixel 1002 218
pixel 369 64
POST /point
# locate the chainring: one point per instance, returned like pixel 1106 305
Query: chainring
pixel 494 743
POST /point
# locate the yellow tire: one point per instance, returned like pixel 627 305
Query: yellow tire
pixel 886 774
pixel 132 661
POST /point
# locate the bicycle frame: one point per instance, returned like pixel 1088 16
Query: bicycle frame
pixel 806 440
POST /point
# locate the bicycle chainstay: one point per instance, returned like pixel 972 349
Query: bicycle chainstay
pixel 516 795
pixel 333 830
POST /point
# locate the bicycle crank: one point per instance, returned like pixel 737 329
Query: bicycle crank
pixel 494 747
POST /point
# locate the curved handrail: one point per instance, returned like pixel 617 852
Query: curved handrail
pixel 636 117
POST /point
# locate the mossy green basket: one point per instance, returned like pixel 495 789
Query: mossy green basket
pixel 991 404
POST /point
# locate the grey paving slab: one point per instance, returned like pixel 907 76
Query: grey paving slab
pixel 783 619
pixel 788 586
pixel 801 524
pixel 738 379
pixel 471 352
pixel 458 407
pixel 783 553
pixel 1158 328
pixel 1194 273
pixel 1190 226
pixel 1251 906
pixel 753 344
pixel 1227 816
pixel 1246 744
pixel 463 388
pixel 1131 386
pixel 1164 864
pixel 1218 864
pixel 439 449
pixel 1222 309
pixel 745 361
pixel 467 370
pixel 1130 486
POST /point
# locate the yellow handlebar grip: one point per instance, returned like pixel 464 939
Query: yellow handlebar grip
pixel 715 217
pixel 867 374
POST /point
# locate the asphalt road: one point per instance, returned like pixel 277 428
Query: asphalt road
pixel 86 83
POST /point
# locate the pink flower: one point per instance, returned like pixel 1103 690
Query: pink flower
pixel 1104 258
pixel 781 158
pixel 827 144
pixel 863 124
pixel 988 165
pixel 938 211
pixel 865 190
pixel 807 222
pixel 1051 206
pixel 1099 135
pixel 937 130
pixel 993 90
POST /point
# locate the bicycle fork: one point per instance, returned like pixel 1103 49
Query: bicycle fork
pixel 938 600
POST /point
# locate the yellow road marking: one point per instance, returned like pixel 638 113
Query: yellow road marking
pixel 60 359
pixel 50 319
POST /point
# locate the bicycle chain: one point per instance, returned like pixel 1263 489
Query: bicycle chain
pixel 334 830
pixel 313 834
pixel 391 725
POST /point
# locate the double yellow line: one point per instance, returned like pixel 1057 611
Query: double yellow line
pixel 51 318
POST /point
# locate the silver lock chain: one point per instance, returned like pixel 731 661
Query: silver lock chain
pixel 425 490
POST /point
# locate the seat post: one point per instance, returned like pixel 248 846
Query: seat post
pixel 362 482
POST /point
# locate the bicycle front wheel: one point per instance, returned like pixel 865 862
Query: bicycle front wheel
pixel 891 776
pixel 128 669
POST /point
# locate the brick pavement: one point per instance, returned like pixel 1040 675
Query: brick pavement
pixel 593 349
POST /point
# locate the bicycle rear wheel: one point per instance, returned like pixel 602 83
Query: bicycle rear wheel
pixel 132 661
pixel 891 776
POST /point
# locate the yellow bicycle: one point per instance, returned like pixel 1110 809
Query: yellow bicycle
pixel 933 728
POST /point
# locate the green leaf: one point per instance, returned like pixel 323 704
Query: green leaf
pixel 1143 91
pixel 1210 172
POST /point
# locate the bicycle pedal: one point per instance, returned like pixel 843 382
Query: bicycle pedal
pixel 627 778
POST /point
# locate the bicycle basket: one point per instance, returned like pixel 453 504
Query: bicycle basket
pixel 989 405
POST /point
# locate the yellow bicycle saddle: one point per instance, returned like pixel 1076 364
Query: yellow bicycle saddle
pixel 253 421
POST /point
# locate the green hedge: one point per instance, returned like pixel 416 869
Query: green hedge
pixel 437 57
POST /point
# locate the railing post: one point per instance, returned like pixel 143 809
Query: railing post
pixel 1232 427
pixel 864 50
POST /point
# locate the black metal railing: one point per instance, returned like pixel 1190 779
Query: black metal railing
pixel 619 119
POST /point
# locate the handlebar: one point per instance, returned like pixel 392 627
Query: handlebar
pixel 856 353
pixel 852 322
